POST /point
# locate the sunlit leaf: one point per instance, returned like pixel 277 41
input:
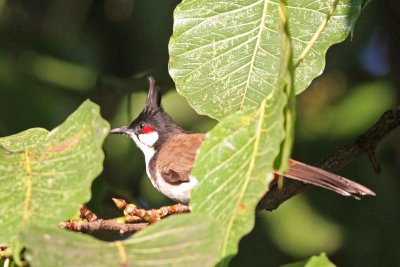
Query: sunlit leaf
pixel 235 163
pixel 187 240
pixel 225 55
pixel 45 176
pixel 234 166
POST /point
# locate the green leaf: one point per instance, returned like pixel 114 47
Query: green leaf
pixel 186 240
pixel 225 55
pixel 24 140
pixel 45 176
pixel 235 163
pixel 234 167
pixel 315 261
pixel 286 78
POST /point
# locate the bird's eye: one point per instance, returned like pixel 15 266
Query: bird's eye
pixel 142 125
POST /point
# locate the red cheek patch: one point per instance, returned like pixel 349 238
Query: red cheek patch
pixel 147 129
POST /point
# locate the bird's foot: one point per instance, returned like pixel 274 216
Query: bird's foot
pixel 134 214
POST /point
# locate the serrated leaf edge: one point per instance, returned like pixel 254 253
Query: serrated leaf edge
pixel 316 35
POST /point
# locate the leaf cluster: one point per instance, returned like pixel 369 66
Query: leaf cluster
pixel 240 62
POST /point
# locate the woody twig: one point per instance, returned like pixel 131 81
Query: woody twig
pixel 364 144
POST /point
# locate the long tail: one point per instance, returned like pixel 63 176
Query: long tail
pixel 315 176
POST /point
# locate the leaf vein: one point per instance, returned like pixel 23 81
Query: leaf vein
pixel 261 27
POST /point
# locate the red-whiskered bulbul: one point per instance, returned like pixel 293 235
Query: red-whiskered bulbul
pixel 170 153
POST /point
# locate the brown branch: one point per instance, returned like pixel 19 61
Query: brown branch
pixel 151 216
pixel 91 223
pixel 365 143
pixel 134 219
pixel 103 225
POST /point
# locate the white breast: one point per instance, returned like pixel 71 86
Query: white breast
pixel 178 192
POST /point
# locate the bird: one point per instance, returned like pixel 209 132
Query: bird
pixel 170 153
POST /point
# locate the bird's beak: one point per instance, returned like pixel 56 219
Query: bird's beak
pixel 121 130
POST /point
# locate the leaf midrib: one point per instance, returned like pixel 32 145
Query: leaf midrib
pixel 28 192
pixel 264 15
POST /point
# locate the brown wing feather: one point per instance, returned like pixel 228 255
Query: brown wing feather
pixel 178 155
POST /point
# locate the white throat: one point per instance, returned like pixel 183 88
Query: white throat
pixel 145 142
pixel 148 139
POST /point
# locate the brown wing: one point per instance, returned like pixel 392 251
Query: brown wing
pixel 178 155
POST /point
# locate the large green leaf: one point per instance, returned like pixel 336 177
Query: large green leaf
pixel 187 240
pixel 225 55
pixel 234 167
pixel 235 163
pixel 45 176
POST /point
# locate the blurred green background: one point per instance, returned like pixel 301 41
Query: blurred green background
pixel 55 54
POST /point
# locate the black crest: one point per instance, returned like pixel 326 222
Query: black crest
pixel 154 114
pixel 153 101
